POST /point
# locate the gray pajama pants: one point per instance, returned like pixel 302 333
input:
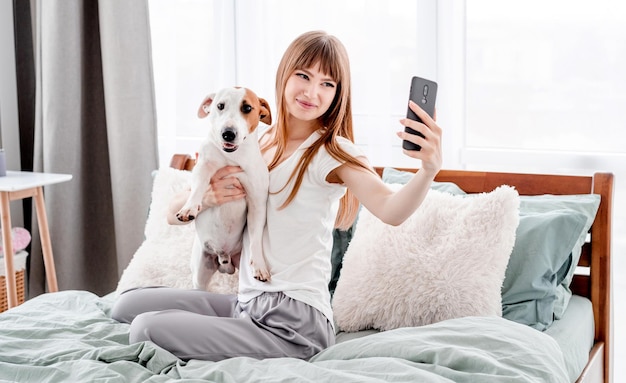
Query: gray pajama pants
pixel 195 324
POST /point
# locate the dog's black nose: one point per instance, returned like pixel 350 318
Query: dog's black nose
pixel 229 134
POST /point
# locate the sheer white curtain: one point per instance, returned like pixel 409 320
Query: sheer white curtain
pixel 193 55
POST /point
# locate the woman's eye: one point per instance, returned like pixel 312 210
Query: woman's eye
pixel 246 108
pixel 302 75
pixel 220 106
pixel 329 84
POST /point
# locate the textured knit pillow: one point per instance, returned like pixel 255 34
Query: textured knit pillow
pixel 447 260
pixel 342 238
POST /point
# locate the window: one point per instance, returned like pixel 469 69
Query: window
pixel 547 77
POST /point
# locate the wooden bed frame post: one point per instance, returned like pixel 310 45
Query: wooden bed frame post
pixel 601 273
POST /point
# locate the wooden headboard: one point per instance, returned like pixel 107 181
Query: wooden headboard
pixel 596 255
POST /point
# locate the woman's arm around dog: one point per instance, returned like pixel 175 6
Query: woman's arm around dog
pixel 224 188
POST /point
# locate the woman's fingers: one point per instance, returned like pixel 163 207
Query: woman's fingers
pixel 226 171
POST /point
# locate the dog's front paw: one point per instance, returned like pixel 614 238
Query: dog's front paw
pixel 262 275
pixel 260 271
pixel 187 214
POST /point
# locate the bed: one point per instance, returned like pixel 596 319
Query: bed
pixel 69 336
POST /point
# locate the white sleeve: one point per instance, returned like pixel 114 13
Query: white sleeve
pixel 324 163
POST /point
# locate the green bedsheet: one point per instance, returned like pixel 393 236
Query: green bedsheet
pixel 69 337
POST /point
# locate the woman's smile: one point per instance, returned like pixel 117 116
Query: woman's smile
pixel 305 104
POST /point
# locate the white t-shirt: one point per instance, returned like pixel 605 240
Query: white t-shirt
pixel 298 240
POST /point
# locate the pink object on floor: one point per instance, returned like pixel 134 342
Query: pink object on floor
pixel 20 238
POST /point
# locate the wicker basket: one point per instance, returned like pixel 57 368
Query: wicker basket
pixel 19 262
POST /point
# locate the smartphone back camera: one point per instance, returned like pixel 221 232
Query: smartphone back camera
pixel 424 94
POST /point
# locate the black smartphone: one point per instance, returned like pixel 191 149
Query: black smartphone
pixel 424 93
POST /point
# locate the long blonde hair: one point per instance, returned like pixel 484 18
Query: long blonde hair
pixel 306 51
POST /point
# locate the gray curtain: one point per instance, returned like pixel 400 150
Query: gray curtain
pixel 95 119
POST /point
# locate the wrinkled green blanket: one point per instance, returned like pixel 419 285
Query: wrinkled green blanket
pixel 69 337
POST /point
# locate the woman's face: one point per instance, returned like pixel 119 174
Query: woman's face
pixel 309 93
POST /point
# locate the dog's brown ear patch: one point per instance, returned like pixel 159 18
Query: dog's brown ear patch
pixel 266 114
pixel 205 106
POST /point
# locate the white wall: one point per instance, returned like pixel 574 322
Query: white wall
pixel 8 89
pixel 9 134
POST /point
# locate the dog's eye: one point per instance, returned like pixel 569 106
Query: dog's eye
pixel 245 108
pixel 220 106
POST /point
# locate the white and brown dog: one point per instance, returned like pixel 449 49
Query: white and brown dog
pixel 234 114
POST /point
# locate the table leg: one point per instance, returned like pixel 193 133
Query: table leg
pixel 46 246
pixel 5 211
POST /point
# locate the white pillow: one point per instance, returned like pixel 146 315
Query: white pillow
pixel 446 261
pixel 164 256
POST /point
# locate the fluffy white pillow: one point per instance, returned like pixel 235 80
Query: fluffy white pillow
pixel 446 261
pixel 163 258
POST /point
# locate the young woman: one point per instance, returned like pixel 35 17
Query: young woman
pixel 318 176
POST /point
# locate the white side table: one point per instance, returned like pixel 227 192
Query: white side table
pixel 16 186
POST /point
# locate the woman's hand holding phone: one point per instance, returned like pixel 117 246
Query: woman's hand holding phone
pixel 421 135
pixel 424 93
